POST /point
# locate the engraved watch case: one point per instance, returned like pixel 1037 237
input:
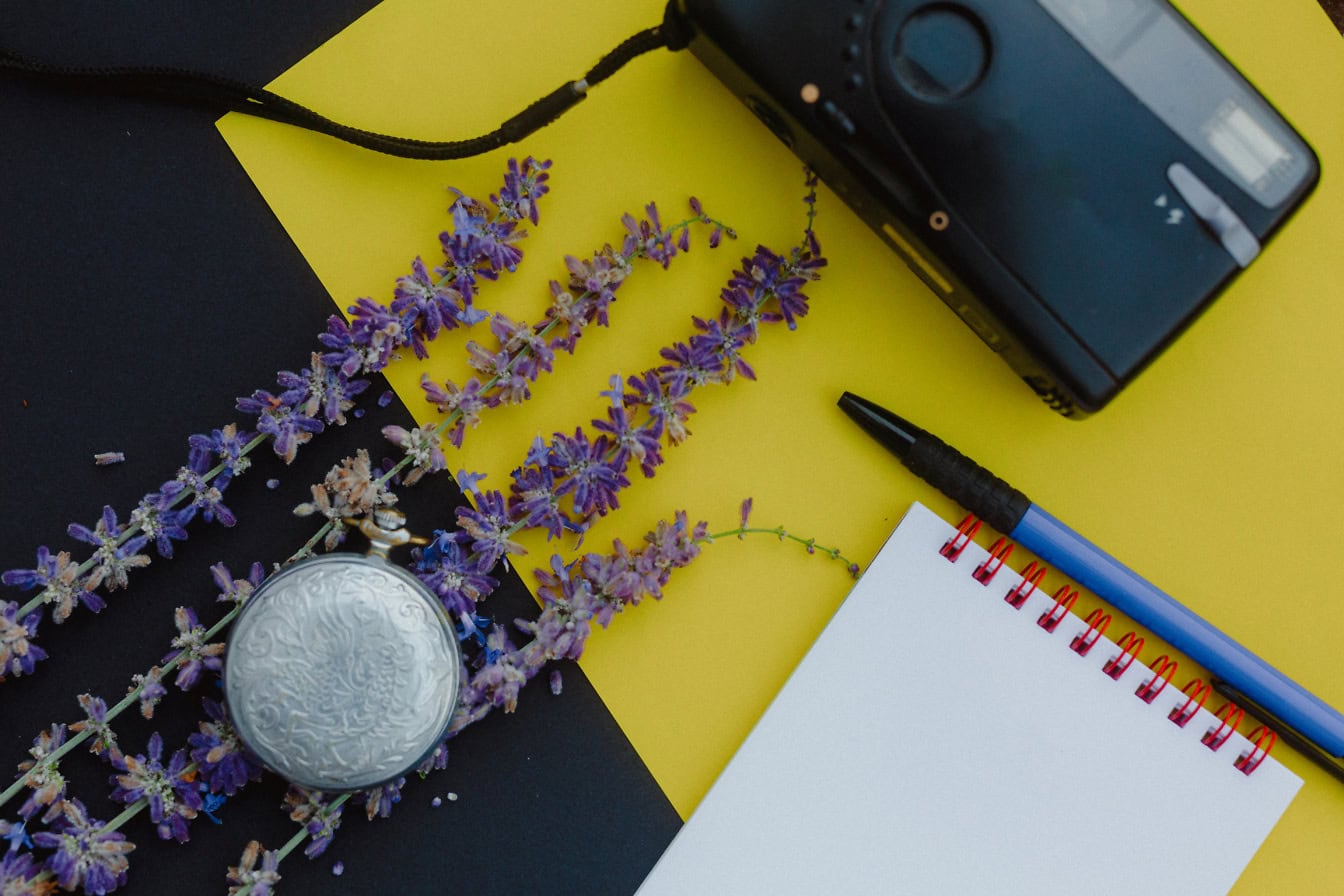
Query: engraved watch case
pixel 342 670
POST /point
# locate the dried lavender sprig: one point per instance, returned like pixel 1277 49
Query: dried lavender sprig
pixel 481 246
pixel 133 695
pixel 134 529
pixel 524 358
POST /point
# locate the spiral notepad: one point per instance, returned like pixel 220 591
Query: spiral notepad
pixel 957 730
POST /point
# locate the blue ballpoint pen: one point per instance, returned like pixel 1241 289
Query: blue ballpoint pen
pixel 1300 718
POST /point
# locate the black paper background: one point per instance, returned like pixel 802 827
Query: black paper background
pixel 144 285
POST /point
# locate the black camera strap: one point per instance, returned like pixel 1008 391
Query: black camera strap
pixel 228 95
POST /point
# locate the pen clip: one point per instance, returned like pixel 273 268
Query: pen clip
pixel 1332 764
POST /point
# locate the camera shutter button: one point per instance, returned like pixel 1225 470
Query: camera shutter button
pixel 940 52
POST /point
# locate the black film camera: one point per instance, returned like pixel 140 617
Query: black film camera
pixel 1076 179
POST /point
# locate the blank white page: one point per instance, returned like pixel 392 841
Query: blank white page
pixel 935 740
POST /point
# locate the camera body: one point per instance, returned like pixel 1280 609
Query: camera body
pixel 1076 179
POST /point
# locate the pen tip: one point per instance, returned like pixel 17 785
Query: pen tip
pixel 893 432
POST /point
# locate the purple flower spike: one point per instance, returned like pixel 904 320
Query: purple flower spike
pixel 223 447
pixel 247 877
pixel 490 527
pixel 640 443
pixel 190 642
pixel 18 873
pixel 42 773
pixel 113 560
pixel 102 739
pixel 523 186
pixel 85 855
pixel 456 575
pixel 173 800
pixel 426 306
pixel 584 472
pixel 421 446
pixel 224 763
pixel 287 426
pixel 467 401
pixel 18 654
pixel 320 389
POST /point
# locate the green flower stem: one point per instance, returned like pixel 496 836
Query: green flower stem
pixel 112 712
pixel 810 544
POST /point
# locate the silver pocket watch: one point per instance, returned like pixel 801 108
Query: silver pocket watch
pixel 342 670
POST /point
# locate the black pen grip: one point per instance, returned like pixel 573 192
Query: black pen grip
pixel 966 482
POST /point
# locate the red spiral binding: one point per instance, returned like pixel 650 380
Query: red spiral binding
pixel 1194 702
pixel 1227 725
pixel 1129 645
pixel 1096 627
pixel 1164 670
pixel 998 554
pixel 957 543
pixel 1262 741
pixel 1031 578
pixel 1196 691
pixel 1065 598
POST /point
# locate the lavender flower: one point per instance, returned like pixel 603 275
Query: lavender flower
pixel 207 498
pixel 41 774
pixel 490 527
pixel 223 447
pixel 245 877
pixel 435 761
pixel 190 643
pixel 159 523
pixel 378 801
pixel 456 575
pixel 665 401
pixel 18 654
pixel 237 591
pixel 379 330
pixel 320 389
pixel 319 818
pixel 150 687
pixel 169 792
pixel 85 854
pixel 103 738
pixel 422 449
pixel 584 471
pixel 533 501
pixel 114 556
pixel 630 441
pixel 287 426
pixel 425 306
pixel 465 401
pixel 58 577
pixel 224 763
pixel 499 680
pixel 19 875
pixel 523 186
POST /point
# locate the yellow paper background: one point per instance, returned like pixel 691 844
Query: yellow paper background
pixel 1217 475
